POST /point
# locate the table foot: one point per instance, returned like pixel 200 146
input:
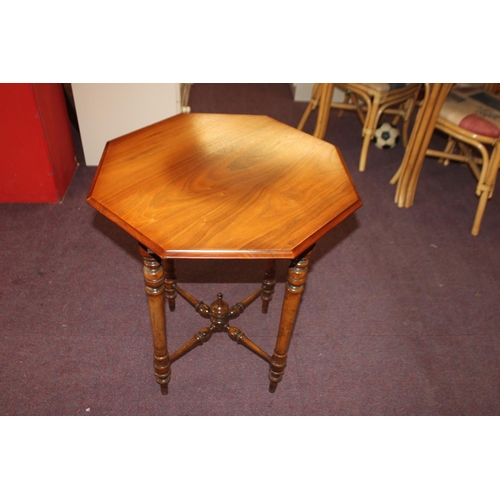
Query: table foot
pixel 276 370
pixel 297 273
pixel 162 371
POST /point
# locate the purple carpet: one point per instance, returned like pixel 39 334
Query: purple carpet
pixel 398 316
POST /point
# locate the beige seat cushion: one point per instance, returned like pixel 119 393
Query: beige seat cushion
pixel 474 110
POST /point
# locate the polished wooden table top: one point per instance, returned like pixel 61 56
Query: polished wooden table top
pixel 223 186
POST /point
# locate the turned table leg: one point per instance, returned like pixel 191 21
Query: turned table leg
pixel 268 284
pixel 170 281
pixel 297 273
pixel 154 279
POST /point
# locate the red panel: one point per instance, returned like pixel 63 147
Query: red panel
pixel 36 161
pixel 55 122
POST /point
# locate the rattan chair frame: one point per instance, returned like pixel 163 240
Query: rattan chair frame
pixel 369 103
pixel 485 168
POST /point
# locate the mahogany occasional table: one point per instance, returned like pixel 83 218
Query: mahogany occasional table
pixel 211 186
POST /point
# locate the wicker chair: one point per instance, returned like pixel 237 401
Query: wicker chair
pixel 470 117
pixel 370 101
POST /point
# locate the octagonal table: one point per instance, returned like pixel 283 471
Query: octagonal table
pixel 212 186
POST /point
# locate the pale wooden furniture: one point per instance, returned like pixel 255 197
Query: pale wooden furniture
pixel 407 175
pixel 458 115
pixel 209 186
pixel 370 101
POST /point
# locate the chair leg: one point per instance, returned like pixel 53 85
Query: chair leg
pixel 358 103
pixel 315 97
pixel 409 107
pixel 347 98
pixel 450 146
pixel 480 212
pixel 324 110
pixel 487 185
pixel 372 115
pixel 364 152
pixel 398 116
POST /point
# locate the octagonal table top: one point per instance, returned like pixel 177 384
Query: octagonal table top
pixel 223 186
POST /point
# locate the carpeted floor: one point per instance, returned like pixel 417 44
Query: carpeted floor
pixel 398 317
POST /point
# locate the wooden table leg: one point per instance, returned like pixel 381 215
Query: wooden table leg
pixel 154 279
pixel 297 273
pixel 170 281
pixel 268 284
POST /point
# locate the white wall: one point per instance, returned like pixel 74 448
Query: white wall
pixel 108 110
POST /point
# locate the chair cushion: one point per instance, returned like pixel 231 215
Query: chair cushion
pixel 384 87
pixel 474 110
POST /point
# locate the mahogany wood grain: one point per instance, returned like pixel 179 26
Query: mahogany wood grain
pixel 223 186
